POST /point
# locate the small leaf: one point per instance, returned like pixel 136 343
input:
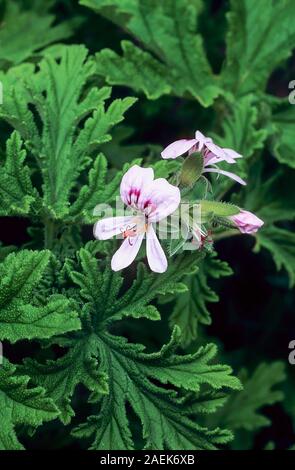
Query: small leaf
pixel 16 190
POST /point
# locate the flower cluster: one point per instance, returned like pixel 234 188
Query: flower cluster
pixel 150 201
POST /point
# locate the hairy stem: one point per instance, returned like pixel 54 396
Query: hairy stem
pixel 49 233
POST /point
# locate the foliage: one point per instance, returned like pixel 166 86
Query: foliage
pixel 190 308
pixel 241 410
pixel 245 412
pixel 161 28
pixel 21 404
pixel 32 31
pixel 20 274
pixel 128 360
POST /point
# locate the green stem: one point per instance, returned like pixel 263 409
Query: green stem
pixel 49 234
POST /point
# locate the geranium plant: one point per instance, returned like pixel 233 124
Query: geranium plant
pixel 103 296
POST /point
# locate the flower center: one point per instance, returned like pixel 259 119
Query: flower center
pixel 138 225
pixel 146 208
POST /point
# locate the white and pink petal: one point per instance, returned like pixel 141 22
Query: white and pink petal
pixel 127 252
pixel 178 148
pixel 155 254
pixel 230 175
pixel 160 200
pixel 112 226
pixel 133 183
pixel 232 154
pixel 201 139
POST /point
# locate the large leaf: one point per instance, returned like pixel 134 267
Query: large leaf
pixel 174 60
pixel 261 35
pixel 74 121
pixel 158 385
pixel 61 377
pixel 165 421
pixel 25 31
pixel 241 129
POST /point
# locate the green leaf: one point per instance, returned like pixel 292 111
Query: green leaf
pixel 260 36
pixel 120 70
pixel 64 153
pixel 165 422
pixel 174 60
pixel 61 377
pixel 242 410
pixel 6 250
pixel 240 130
pixel 164 168
pixel 16 190
pixel 271 198
pixel 121 149
pixel 89 195
pixel 101 289
pixel 74 120
pixel 19 319
pixel 15 109
pixel 20 404
pixel 166 390
pixel 283 140
pixel 190 308
pixel 25 31
pixel 98 190
pixel 281 244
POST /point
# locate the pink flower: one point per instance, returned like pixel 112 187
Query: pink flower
pixel 212 153
pixel 152 200
pixel 246 222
